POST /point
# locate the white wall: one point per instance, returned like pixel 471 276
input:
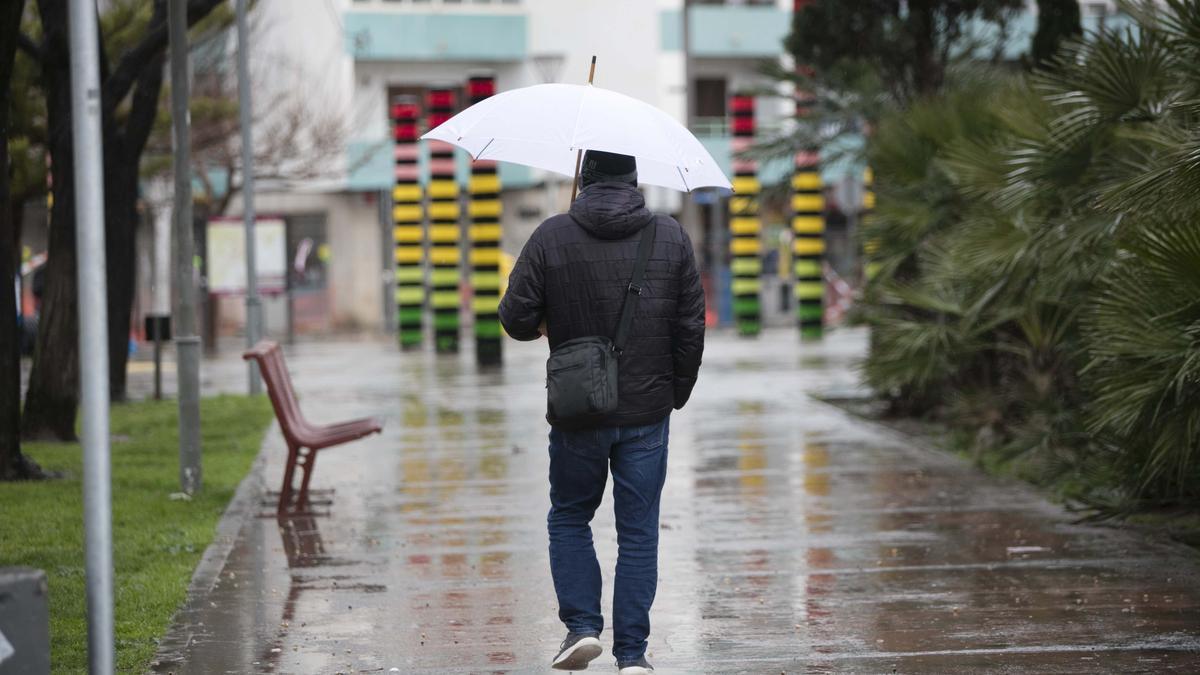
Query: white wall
pixel 355 241
pixel 623 34
pixel 306 36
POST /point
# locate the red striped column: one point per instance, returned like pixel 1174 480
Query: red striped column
pixel 485 235
pixel 407 232
pixel 744 224
pixel 808 229
pixel 808 222
pixel 444 232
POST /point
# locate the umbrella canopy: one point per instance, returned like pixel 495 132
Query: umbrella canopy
pixel 543 126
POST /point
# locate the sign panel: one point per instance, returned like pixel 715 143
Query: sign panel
pixel 227 255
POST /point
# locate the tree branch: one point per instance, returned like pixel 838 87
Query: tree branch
pixel 144 109
pixel 31 48
pixel 231 189
pixel 105 66
pixel 117 87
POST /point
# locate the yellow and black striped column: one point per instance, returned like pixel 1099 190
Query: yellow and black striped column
pixel 808 243
pixel 808 228
pixel 407 232
pixel 745 227
pixel 485 233
pixel 445 232
pixel 870 246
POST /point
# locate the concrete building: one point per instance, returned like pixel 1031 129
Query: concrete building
pixel 356 55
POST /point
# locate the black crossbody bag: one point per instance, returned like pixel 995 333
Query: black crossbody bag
pixel 581 374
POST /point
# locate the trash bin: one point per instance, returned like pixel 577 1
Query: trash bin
pixel 24 622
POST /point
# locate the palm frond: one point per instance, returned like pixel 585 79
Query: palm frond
pixel 1144 340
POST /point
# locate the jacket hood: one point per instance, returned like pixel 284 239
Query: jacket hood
pixel 611 210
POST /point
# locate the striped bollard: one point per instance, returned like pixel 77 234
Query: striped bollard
pixel 444 228
pixel 808 244
pixel 745 227
pixel 406 223
pixel 485 236
pixel 870 246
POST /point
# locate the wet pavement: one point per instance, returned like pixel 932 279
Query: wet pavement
pixel 796 538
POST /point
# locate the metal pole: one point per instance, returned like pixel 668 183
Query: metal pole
pixel 161 310
pixel 253 307
pixel 687 64
pixel 157 364
pixel 713 240
pixel 187 343
pixel 389 261
pixel 93 332
pixel 717 210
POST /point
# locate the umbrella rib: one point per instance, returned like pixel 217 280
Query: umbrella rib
pixel 685 185
pixel 480 155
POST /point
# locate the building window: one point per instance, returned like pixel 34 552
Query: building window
pixel 710 97
pixel 308 252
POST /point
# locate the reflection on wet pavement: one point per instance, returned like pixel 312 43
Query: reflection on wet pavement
pixel 795 539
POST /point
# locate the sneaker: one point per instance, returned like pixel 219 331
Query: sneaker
pixel 577 650
pixel 639 667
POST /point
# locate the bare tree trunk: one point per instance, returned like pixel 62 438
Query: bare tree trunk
pixel 53 395
pixel 52 398
pixel 120 238
pixel 122 155
pixel 928 71
pixel 13 464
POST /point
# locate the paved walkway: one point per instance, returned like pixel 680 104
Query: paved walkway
pixel 795 539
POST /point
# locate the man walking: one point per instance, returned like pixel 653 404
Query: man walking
pixel 572 281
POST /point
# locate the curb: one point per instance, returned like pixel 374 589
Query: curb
pixel 242 507
pixel 1047 503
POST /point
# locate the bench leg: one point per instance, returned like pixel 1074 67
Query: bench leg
pixel 309 460
pixel 289 473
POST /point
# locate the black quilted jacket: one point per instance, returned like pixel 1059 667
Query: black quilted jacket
pixel 574 271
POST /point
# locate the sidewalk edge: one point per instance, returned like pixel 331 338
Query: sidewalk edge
pixel 241 508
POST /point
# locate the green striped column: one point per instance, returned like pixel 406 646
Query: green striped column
pixel 745 228
pixel 870 246
pixel 808 244
pixel 445 232
pixel 484 210
pixel 808 225
pixel 406 223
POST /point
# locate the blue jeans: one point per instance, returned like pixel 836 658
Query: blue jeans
pixel 579 465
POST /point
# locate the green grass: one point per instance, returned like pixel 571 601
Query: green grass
pixel 157 541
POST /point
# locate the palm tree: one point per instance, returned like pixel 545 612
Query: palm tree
pixel 1039 281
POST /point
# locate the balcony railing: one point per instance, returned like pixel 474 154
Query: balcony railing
pixel 717 127
pixel 434 36
pixel 728 31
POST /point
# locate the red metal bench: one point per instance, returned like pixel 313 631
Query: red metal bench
pixel 303 438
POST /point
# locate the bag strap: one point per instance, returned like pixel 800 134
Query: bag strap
pixel 635 286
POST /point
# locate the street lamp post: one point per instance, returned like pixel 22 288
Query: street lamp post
pixel 253 306
pixel 93 332
pixel 187 343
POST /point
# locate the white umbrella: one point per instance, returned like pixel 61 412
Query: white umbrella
pixel 545 125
